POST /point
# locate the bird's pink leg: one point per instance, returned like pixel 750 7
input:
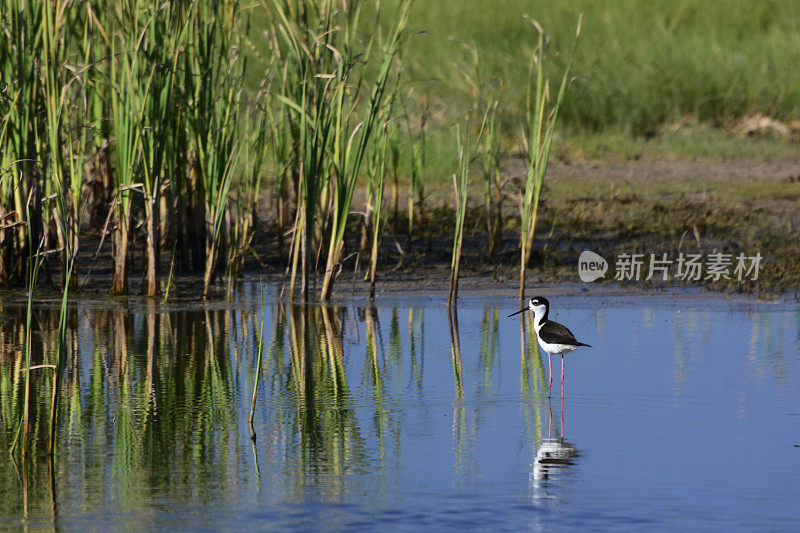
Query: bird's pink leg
pixel 562 376
pixel 550 368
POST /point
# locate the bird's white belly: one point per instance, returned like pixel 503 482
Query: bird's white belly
pixel 556 349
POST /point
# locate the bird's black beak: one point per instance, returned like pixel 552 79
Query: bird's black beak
pixel 518 312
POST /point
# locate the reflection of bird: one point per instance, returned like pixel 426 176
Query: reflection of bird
pixel 553 337
pixel 552 455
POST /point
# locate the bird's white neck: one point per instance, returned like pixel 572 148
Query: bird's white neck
pixel 538 317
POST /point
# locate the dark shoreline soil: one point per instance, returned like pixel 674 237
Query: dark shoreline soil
pixel 611 208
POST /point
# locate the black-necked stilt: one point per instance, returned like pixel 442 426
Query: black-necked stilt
pixel 553 337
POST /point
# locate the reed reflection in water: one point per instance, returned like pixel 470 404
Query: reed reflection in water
pixel 154 402
pixel 366 415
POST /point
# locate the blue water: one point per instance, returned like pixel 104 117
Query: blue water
pixel 684 413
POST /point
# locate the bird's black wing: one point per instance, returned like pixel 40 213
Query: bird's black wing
pixel 555 333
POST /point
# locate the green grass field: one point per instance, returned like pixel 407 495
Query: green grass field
pixel 667 79
pixel 641 68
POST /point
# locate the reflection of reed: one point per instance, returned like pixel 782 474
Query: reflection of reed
pixel 766 347
pixel 395 357
pixel 161 400
pixel 531 376
pixel 459 412
pixel 297 328
pixel 330 441
pixel 332 347
pixel 532 372
pixel 490 344
pixel 149 391
pixel 259 333
pixel 51 471
pixel 29 347
pixel 452 317
pixel 416 341
pixel 61 352
pixel 682 327
pixel 376 377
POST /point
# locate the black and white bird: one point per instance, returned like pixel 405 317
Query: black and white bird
pixel 554 338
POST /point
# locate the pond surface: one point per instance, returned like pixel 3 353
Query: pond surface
pixel 685 413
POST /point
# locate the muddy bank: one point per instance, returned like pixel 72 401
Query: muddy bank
pixel 714 209
pixel 658 207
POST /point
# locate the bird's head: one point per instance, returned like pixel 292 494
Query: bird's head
pixel 539 305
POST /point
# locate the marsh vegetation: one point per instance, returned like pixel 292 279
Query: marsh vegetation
pixel 162 140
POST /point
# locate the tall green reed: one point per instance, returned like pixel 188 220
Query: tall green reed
pixel 21 133
pixel 130 82
pixel 417 155
pixel 460 185
pixel 244 206
pixel 376 193
pixel 55 100
pixel 486 93
pixel 350 155
pixel 215 67
pixel 334 111
pixel 260 141
pixel 164 41
pixel 466 153
pixel 160 85
pixel 376 171
pixel 307 62
pixel 491 154
pixel 542 111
